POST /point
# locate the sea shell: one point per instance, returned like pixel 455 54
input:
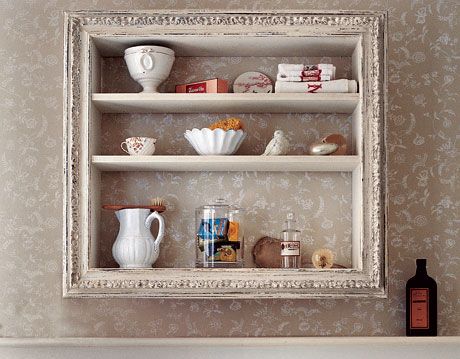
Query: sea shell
pixel 323 148
pixel 322 258
pixel 339 140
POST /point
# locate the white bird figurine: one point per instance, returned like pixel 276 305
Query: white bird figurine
pixel 279 145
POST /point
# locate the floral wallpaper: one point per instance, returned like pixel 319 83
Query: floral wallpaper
pixel 423 185
pixel 321 201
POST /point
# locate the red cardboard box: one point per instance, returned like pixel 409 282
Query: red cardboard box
pixel 206 86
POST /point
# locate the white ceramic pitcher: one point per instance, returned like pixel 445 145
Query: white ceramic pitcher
pixel 135 246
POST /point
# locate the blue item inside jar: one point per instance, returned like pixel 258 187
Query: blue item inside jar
pixel 213 228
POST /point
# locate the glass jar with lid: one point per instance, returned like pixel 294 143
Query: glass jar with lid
pixel 219 236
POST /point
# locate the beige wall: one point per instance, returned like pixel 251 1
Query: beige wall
pixel 423 189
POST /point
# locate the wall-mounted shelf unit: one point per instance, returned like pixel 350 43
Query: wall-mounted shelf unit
pixel 102 107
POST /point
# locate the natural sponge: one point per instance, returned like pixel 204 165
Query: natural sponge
pixel 232 123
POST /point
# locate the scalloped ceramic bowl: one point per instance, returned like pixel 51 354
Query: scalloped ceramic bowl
pixel 215 142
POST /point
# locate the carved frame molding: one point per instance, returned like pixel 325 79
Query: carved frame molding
pixel 81 281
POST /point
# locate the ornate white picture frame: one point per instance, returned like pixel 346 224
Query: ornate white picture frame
pixel 368 276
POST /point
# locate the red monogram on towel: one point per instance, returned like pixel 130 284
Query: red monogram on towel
pixel 313 87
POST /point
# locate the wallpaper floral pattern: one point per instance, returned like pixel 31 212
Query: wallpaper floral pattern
pixel 423 186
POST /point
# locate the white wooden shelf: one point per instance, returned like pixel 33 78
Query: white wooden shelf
pixel 242 347
pixel 226 163
pixel 225 103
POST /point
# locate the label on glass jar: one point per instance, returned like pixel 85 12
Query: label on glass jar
pixel 419 300
pixel 290 248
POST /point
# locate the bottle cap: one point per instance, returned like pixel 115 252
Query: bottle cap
pixel 290 222
pixel 421 261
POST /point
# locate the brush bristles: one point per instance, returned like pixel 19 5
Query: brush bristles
pixel 157 201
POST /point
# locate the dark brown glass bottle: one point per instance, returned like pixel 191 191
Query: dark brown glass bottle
pixel 421 303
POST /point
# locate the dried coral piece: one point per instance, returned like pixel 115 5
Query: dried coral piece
pixel 322 258
pixel 232 123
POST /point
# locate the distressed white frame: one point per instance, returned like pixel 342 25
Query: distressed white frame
pixel 368 278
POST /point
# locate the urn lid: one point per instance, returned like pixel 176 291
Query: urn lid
pixel 149 48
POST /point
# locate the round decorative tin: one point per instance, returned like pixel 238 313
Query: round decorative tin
pixel 253 82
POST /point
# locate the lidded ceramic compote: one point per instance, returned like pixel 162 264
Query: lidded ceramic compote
pixel 149 65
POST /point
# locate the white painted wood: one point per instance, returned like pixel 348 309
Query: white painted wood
pixel 303 279
pixel 357 230
pixel 368 342
pixel 233 44
pixel 357 116
pixel 94 142
pixel 357 63
pixel 226 163
pixel 95 198
pixel 225 103
pixel 357 218
pixel 230 348
pixel 84 28
pixel 85 156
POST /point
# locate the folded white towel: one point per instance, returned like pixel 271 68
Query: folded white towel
pixel 334 86
pixel 284 68
pixel 329 72
pixel 281 77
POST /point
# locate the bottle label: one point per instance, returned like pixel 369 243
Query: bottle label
pixel 290 248
pixel 419 300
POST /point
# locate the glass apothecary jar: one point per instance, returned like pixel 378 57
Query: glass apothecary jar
pixel 219 236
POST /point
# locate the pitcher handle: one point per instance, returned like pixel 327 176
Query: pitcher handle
pixel 161 226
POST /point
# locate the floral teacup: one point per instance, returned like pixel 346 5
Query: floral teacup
pixel 139 146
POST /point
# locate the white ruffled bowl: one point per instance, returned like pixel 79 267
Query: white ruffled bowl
pixel 215 142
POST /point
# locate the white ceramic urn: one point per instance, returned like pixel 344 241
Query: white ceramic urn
pixel 135 246
pixel 149 65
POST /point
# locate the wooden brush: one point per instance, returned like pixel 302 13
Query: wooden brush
pixel 157 201
pixel 156 204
